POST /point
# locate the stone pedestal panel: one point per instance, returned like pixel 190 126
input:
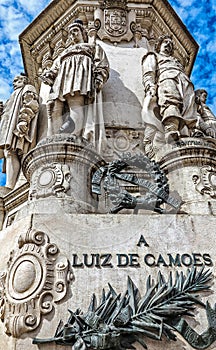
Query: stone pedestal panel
pixel 106 249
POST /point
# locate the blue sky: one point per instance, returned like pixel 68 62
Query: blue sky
pixel 198 15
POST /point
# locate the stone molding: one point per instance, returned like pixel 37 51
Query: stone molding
pixel 16 197
pixel 11 201
pixel 37 277
pixel 188 152
pixel 60 148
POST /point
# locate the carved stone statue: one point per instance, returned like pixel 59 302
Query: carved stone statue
pixel 206 119
pixel 76 76
pixel 169 94
pixel 18 127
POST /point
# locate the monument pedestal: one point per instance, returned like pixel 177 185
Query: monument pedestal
pixel 190 167
pixel 65 251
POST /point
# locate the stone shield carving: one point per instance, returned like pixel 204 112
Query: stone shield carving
pixel 115 21
pixel 38 276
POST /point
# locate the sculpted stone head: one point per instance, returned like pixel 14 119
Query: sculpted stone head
pixel 19 81
pixel 165 45
pixel 201 96
pixel 77 32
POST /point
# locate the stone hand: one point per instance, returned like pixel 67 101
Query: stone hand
pixel 152 91
pixel 210 132
pixel 98 84
pixel 22 127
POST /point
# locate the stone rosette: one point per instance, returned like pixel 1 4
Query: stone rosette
pixel 38 276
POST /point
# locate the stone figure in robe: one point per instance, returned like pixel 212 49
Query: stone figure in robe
pixel 18 126
pixel 169 105
pixel 206 123
pixel 76 77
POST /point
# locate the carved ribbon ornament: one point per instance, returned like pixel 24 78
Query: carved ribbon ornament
pixel 156 190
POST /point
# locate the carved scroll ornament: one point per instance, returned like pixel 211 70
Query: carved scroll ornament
pixel 38 276
pixel 205 181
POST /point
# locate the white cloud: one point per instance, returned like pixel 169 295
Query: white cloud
pixel 12 21
pixel 7 2
pixel 5 89
pixel 211 47
pixel 194 12
pixel 33 7
pixel 186 3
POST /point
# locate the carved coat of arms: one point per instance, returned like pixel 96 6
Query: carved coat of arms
pixel 115 21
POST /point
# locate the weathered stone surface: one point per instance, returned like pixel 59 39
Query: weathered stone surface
pixel 190 167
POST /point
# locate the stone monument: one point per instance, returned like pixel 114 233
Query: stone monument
pixel 107 218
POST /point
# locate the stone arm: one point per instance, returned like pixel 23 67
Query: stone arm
pixel 28 111
pixel 149 75
pixel 101 68
pixel 206 121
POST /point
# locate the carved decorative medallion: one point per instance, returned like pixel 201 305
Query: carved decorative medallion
pixel 119 140
pixel 115 17
pixel 205 181
pixel 52 179
pixel 38 276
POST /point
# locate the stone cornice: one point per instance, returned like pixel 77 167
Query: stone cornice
pixel 16 197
